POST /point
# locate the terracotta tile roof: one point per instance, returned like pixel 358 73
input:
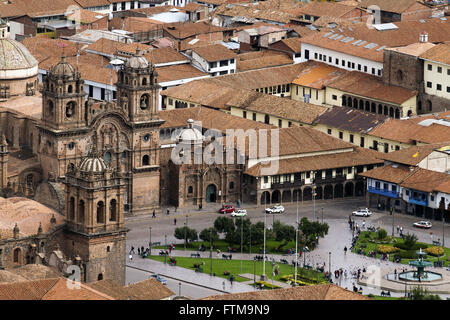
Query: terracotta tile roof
pixel 357 157
pixel 414 49
pixel 316 292
pixel 369 86
pixel 322 40
pixel 84 16
pixel 300 30
pixel 193 7
pixel 10 277
pixel 443 187
pixel 319 75
pixel 208 118
pixel 111 47
pixel 150 289
pixel 261 59
pixel 414 154
pixel 350 119
pixel 331 9
pixel 408 130
pixel 295 44
pixel 43 48
pixel 178 72
pixel 43 7
pixel 425 180
pixel 202 92
pixel 407 32
pixel 440 53
pixel 280 107
pixel 164 55
pixel 295 141
pixel 256 12
pixel 186 30
pixel 215 52
pixel 36 272
pixel 48 289
pixel 397 6
pixel 388 173
pixel 433 133
pixel 92 3
pixel 151 11
pixel 9 10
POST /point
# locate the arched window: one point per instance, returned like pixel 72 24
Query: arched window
pixel 108 157
pixel 190 189
pixel 373 107
pixel 231 185
pixel 344 101
pixel 385 110
pixel 51 108
pixel 144 81
pixel 81 211
pixel 72 208
pixel 16 255
pixel 145 160
pixel 69 89
pixel 70 109
pixel 399 75
pixel 380 109
pixel 100 276
pixel 349 102
pixel 391 112
pixel 100 212
pixel 113 210
pixel 361 104
pixel 266 119
pixel 144 102
pixel 397 114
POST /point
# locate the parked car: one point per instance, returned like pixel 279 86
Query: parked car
pixel 239 213
pixel 275 209
pixel 159 278
pixel 227 209
pixel 364 212
pixel 423 224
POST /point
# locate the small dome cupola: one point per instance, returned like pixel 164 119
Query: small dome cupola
pixel 190 134
pixel 137 61
pixel 63 69
pixel 93 163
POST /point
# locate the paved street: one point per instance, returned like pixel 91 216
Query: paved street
pixel 335 213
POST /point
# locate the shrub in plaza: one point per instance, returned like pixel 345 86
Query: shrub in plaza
pixel 435 251
pixel 186 233
pixel 209 235
pixel 407 254
pixel 409 240
pixel 416 246
pixel 381 234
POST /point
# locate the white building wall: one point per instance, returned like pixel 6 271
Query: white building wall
pixel 342 56
pixel 436 78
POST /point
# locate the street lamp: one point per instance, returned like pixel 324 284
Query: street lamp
pixel 314 199
pixel 263 276
pixel 296 244
pixel 322 215
pixel 242 241
pixel 392 213
pixel 329 265
pixel 150 244
pixel 210 250
pixel 165 253
pixel 254 273
pixel 185 230
pixel 179 289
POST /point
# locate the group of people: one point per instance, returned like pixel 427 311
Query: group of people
pixel 400 230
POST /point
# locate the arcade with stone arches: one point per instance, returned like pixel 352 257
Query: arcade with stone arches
pixel 328 191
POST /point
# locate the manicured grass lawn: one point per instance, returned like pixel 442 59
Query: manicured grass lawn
pixel 370 246
pixel 234 267
pixel 386 298
pixel 222 245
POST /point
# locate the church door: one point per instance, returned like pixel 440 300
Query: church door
pixel 211 193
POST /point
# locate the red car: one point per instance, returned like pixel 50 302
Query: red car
pixel 227 209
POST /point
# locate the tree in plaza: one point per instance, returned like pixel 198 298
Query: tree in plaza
pixel 257 233
pixel 312 230
pixel 209 235
pixel 410 240
pixel 419 293
pixel 224 224
pixel 186 233
pixel 283 231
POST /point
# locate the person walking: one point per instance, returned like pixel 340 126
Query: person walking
pixel 168 211
pixel 132 250
pixel 398 228
pixel 345 250
pixel 401 231
pixel 139 251
pixel 131 257
pixel 364 224
pixel 154 214
pixel 175 221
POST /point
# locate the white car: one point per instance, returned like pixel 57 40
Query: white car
pixel 362 212
pixel 275 209
pixel 239 213
pixel 423 224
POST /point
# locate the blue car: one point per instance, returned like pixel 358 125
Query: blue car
pixel 159 278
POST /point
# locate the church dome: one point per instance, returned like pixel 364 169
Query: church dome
pixel 15 60
pixel 190 134
pixel 63 68
pixel 93 163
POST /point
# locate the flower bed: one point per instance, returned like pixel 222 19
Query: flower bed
pixel 386 249
pixel 434 251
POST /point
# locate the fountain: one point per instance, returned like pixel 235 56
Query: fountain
pixel 420 274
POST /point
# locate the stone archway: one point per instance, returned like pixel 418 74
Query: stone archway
pixel 328 192
pixel 359 188
pixel 265 197
pixel 349 189
pixel 276 196
pixel 286 196
pixel 307 194
pixel 338 191
pixel 319 193
pixel 297 195
pixel 211 193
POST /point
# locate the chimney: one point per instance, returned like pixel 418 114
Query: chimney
pixel 423 37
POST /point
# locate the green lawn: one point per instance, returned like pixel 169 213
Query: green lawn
pixel 222 245
pixel 248 266
pixel 370 246
pixel 386 298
